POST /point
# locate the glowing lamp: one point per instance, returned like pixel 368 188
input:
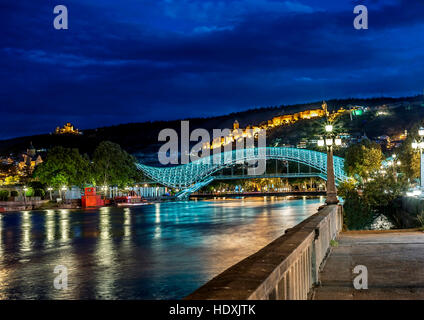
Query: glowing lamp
pixel 416 192
pixel 329 128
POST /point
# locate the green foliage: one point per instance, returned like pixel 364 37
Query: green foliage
pixel 357 214
pixel 361 160
pixel 36 185
pixel 10 180
pixel 110 166
pixel 379 196
pixel 410 159
pixel 63 166
pixel 4 195
pixel 113 166
pixel 346 187
pixel 29 192
pixel 334 243
pixel 382 190
pixel 39 193
pixel 420 219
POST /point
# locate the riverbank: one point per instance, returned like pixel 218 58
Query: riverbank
pixel 11 206
pixel 16 206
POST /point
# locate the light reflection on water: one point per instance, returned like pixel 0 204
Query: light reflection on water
pixel 159 251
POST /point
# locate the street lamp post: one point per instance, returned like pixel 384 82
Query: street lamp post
pixel 64 188
pixel 25 191
pixel 329 141
pixel 419 145
pixel 50 191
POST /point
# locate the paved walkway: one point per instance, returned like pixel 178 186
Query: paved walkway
pixel 395 263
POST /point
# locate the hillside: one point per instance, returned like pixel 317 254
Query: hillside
pixel 141 138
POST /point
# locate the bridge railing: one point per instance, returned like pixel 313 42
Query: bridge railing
pixel 184 176
pixel 286 269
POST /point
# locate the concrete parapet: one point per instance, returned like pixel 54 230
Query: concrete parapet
pixel 285 269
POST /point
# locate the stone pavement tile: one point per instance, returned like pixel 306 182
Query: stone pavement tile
pixel 395 264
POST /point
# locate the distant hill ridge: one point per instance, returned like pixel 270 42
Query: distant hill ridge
pixel 143 136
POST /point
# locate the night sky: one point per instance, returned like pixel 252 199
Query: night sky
pixel 136 60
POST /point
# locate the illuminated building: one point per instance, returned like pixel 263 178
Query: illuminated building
pixel 67 129
pixel 29 160
pixel 285 119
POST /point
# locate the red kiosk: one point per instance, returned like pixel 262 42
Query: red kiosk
pixel 91 199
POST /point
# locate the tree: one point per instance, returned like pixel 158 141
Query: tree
pixel 362 159
pixel 380 195
pixel 380 191
pixel 357 214
pixel 410 159
pixel 11 180
pixel 4 195
pixel 63 166
pixel 114 166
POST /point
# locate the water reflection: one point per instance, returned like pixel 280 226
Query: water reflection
pixel 64 225
pixel 50 226
pixel 127 223
pixel 157 251
pixel 26 232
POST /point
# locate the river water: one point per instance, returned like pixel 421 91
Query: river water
pixel 158 251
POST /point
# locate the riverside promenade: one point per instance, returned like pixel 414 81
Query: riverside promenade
pixel 394 260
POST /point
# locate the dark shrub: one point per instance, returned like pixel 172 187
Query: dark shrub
pixel 4 195
pixel 357 215
pixel 39 193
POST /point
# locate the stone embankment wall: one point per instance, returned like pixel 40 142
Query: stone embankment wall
pixel 285 269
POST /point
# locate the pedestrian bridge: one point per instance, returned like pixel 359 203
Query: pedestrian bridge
pixel 197 174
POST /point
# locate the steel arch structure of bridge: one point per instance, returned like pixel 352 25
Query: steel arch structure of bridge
pixel 194 175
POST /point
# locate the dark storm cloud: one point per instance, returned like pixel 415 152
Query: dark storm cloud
pixel 143 60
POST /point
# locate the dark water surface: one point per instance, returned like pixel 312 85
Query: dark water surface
pixel 158 251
